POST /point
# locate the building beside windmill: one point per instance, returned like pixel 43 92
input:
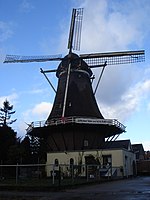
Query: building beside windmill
pixel 75 131
pixel 117 159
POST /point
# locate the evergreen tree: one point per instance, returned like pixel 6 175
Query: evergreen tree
pixel 25 151
pixel 38 147
pixel 5 114
pixel 8 139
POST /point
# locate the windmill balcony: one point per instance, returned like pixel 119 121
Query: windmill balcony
pixel 75 120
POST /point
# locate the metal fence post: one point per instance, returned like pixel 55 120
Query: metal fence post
pixel 59 177
pixel 17 174
pixel 1 169
pixel 72 172
pixel 87 173
pixel 53 175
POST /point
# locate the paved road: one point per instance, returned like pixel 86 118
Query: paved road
pixel 131 189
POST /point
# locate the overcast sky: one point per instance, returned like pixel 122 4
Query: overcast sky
pixel 29 27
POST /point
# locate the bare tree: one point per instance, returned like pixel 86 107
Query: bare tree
pixel 5 114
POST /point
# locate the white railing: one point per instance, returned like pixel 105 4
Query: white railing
pixel 78 120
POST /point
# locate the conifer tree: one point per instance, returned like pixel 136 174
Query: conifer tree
pixel 8 139
pixel 5 114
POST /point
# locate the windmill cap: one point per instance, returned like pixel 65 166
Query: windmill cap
pixel 77 63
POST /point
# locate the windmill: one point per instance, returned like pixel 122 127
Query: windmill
pixel 75 121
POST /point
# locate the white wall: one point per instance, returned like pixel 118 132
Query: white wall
pixel 121 158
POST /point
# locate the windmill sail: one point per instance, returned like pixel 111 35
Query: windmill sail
pixel 113 58
pixel 25 59
pixel 75 30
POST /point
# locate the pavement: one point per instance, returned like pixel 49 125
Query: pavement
pixel 127 189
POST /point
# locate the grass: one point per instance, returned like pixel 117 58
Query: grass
pixel 41 184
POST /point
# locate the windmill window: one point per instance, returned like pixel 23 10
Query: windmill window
pixel 86 143
pixel 71 161
pixel 56 162
pixel 107 160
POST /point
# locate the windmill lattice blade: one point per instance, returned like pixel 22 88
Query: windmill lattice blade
pixel 75 29
pixel 26 59
pixel 113 58
pixel 71 30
